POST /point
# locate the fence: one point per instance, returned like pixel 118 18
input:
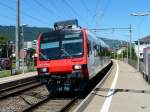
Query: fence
pixel 134 64
pixel 6 70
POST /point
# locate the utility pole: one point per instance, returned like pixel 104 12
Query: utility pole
pixel 122 50
pixel 17 33
pixel 130 31
pixel 138 54
pixel 127 52
pixel 113 42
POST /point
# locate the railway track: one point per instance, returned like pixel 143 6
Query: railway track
pixel 27 97
pixel 52 104
pixel 20 98
pixel 11 91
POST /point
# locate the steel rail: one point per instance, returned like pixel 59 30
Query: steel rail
pixel 65 108
pixel 69 105
pixel 17 86
pixel 39 103
pixel 21 88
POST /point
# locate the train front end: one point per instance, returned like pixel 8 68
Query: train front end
pixel 62 60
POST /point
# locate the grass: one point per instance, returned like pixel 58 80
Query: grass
pixel 5 73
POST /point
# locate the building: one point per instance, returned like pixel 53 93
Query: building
pixel 143 43
pixel 119 51
pixel 30 44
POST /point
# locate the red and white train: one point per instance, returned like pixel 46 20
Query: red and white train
pixel 69 56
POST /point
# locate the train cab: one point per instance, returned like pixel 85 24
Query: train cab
pixel 66 56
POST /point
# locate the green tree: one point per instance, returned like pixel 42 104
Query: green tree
pixel 133 55
pixel 3 46
pixel 31 52
pixel 3 40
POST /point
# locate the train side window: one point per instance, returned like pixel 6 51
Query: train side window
pixel 101 51
pixel 88 47
pixel 95 47
pixel 91 47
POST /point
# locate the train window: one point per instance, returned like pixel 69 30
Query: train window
pixel 95 47
pixel 49 45
pixel 73 47
pixel 148 59
pixel 61 45
pixel 47 49
pixel 89 44
pixel 72 43
pixel 88 47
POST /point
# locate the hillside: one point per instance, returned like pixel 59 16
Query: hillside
pixel 30 33
pixel 113 43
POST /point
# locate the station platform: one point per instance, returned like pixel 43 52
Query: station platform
pixel 125 90
pixel 17 77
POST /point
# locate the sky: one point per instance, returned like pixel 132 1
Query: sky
pixel 91 14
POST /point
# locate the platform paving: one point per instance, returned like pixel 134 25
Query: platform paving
pixel 17 77
pixel 125 90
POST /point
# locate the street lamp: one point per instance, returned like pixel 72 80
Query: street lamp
pixel 22 28
pixel 139 14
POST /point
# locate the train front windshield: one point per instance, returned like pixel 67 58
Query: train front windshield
pixel 54 45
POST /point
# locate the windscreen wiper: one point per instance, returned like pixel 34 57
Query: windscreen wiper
pixel 44 56
pixel 66 53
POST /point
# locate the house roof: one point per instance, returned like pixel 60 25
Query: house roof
pixel 147 38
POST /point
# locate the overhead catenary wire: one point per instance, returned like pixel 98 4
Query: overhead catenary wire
pixel 99 31
pixel 141 21
pixel 41 5
pixel 52 4
pixel 96 9
pixel 97 6
pixel 74 11
pixel 22 12
pixel 32 6
pixel 4 5
pixel 105 9
pixel 65 10
pixel 46 8
pixel 7 17
pixel 85 6
pixel 87 10
pixel 99 16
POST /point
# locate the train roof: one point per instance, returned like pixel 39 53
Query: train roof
pixel 60 31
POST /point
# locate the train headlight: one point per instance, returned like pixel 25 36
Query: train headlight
pixel 43 70
pixel 77 67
